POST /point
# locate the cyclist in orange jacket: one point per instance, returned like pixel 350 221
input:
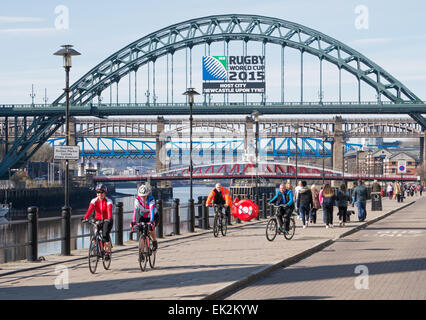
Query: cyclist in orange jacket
pixel 221 196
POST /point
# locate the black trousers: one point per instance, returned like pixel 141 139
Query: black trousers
pixel 286 213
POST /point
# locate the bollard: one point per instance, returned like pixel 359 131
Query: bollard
pixel 66 231
pixel 205 221
pixel 200 212
pixel 191 215
pixel 32 249
pixel 176 219
pixel 264 200
pixel 119 226
pixel 160 229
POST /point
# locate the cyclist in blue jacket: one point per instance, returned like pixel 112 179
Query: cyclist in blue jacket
pixel 284 196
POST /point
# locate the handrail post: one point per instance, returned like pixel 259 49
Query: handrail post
pixel 160 229
pixel 119 226
pixel 264 200
pixel 66 231
pixel 191 215
pixel 176 225
pixel 32 249
pixel 258 205
pixel 205 223
pixel 200 212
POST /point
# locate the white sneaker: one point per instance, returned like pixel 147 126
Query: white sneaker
pixel 331 226
pixel 326 226
pixel 304 227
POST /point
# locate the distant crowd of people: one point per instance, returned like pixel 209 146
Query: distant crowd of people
pixel 399 190
pixel 307 200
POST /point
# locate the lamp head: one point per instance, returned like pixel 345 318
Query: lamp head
pixel 190 92
pixel 67 52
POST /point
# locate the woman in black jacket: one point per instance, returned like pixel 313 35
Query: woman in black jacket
pixel 342 204
pixel 328 201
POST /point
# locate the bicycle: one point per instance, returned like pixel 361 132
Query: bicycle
pixel 220 221
pixel 145 247
pixel 272 225
pixel 96 248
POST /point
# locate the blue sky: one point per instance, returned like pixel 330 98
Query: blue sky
pixel 395 38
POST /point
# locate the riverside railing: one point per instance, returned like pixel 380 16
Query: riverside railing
pixel 201 215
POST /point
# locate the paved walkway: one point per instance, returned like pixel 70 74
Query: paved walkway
pixel 193 266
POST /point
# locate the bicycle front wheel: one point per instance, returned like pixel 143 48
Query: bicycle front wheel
pixel 93 256
pixel 107 262
pixel 271 229
pixel 216 226
pixel 291 229
pixel 152 254
pixel 143 253
pixel 224 225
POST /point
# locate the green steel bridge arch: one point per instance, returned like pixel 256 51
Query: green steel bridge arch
pixel 229 28
pixel 207 30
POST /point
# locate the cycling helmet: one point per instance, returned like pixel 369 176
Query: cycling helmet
pixel 101 187
pixel 144 190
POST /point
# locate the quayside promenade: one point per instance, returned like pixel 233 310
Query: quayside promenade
pixel 189 266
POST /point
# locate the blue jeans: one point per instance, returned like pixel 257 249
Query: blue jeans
pixel 304 213
pixel 362 211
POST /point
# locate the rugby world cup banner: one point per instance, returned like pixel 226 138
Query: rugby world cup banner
pixel 234 74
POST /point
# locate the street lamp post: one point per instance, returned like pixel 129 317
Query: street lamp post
pixel 190 92
pixel 323 155
pixel 255 116
pixel 67 52
pixel 343 163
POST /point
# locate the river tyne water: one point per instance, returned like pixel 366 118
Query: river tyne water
pixel 17 233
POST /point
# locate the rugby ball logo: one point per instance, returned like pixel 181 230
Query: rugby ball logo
pixel 214 68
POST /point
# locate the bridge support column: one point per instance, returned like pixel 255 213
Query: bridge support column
pixel 160 160
pixel 248 135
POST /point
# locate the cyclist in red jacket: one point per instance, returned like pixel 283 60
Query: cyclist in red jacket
pixel 103 212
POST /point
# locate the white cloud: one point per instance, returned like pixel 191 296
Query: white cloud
pixel 27 30
pixel 372 41
pixel 5 19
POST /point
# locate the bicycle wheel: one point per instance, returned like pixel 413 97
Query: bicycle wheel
pixel 152 254
pixel 224 225
pixel 107 263
pixel 216 225
pixel 93 256
pixel 271 229
pixel 143 250
pixel 291 229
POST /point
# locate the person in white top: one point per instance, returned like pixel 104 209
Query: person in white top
pixel 296 195
pixel 389 191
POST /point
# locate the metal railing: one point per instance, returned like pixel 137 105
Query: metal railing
pixel 202 218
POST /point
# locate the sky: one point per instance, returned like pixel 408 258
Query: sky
pixel 390 33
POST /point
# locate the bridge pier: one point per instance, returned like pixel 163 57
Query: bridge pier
pixel 248 135
pixel 338 144
pixel 161 159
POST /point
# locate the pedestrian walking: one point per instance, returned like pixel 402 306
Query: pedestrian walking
pixel 389 191
pixel 360 194
pixel 398 192
pixel 421 189
pixel 328 202
pixel 342 204
pixel 304 203
pixel 296 195
pixel 316 204
pixel 353 193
